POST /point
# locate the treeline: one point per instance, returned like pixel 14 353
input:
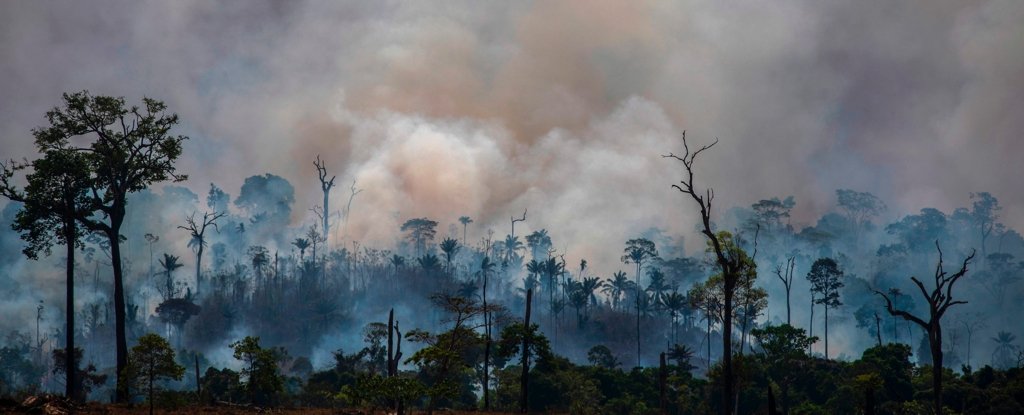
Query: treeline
pixel 730 320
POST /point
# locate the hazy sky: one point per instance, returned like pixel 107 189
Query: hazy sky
pixel 486 108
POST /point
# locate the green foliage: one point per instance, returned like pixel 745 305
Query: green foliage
pixel 150 361
pixel 263 381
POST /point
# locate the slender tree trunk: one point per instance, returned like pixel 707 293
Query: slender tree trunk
pixel 789 312
pixel 662 384
pixel 199 386
pixel 151 386
pixel 810 329
pixel 199 267
pixel 391 343
pixel 121 394
pixel 639 292
pixel 826 331
pixel 524 380
pixel 727 391
pixel 69 239
pixel 935 339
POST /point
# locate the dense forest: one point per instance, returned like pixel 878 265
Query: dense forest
pixel 178 298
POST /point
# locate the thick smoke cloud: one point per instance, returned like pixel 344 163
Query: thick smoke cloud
pixel 443 110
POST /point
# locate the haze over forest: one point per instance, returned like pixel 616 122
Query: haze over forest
pixel 847 130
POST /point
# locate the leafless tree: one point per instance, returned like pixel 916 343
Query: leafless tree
pixel 731 265
pixel 198 242
pixel 326 185
pixel 939 300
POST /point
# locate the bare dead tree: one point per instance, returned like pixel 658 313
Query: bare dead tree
pixel 353 191
pixel 514 220
pixel 325 185
pixel 786 276
pixel 198 233
pixel 939 300
pixel 729 262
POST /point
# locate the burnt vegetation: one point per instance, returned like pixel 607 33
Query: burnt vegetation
pixel 275 311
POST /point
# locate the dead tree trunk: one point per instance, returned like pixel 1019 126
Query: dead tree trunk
pixel 325 186
pixel 730 263
pixel 939 300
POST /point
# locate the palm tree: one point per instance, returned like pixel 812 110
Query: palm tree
pixel 637 252
pixel 170 263
pixel 616 286
pixel 397 261
pixel 682 354
pixel 674 303
pixel 512 247
pixel 465 221
pixel 449 247
pixel 658 286
pixel 539 242
pixel 259 257
pixel 302 244
pixel 1002 356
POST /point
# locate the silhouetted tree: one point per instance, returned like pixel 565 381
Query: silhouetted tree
pixel 783 350
pixel 325 185
pixel 465 221
pixel 131 149
pixel 449 247
pixel 939 300
pixel 637 252
pixel 826 280
pixel 984 213
pixel 198 233
pixel 421 231
pixel 151 360
pixel 785 275
pixel 56 194
pixel 731 265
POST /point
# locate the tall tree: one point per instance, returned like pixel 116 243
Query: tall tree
pixel 826 280
pixel 449 247
pixel 637 252
pixel 859 207
pixel 421 231
pixel 131 148
pixel 984 213
pixel 198 233
pixel 465 221
pixel 785 275
pixel 56 194
pixel 731 264
pixel 939 300
pixel 325 185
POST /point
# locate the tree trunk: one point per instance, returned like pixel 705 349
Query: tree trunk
pixel 199 267
pixel 121 394
pixel 199 386
pixel 727 391
pixel 789 312
pixel 639 292
pixel 69 348
pixel 391 343
pixel 826 331
pixel 935 338
pixel 524 380
pixel 662 384
pixel 151 386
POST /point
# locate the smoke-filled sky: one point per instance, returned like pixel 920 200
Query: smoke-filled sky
pixel 445 109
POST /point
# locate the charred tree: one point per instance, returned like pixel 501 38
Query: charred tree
pixel 198 233
pixel 325 185
pixel 731 265
pixel 939 300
